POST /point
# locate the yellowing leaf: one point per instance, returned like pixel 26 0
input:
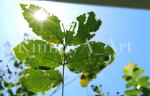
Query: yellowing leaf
pixel 84 80
pixel 129 67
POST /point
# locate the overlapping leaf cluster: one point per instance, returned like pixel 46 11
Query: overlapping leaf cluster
pixel 137 85
pixel 43 58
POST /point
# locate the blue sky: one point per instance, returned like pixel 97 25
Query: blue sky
pixel 127 30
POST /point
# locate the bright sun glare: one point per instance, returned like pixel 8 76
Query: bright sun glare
pixel 41 15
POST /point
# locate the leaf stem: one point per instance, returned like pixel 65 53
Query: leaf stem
pixel 63 81
pixel 63 64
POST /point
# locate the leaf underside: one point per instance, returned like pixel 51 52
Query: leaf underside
pixel 83 29
pixel 90 57
pixel 49 29
pixel 36 53
pixel 39 81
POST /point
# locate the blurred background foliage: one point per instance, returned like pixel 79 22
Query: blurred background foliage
pixel 137 84
pixel 10 73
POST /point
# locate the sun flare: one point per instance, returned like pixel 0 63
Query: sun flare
pixel 41 15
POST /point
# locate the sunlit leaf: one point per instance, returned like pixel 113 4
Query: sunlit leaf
pixel 49 29
pixel 138 73
pixel 90 57
pixel 129 68
pixel 38 81
pixel 36 53
pixel 83 29
pixel 137 85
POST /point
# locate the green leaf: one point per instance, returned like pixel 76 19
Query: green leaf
pixel 90 57
pixel 143 81
pixel 132 92
pixel 83 29
pixel 39 81
pixel 69 36
pixel 130 84
pixel 8 84
pixel 10 92
pixel 19 91
pixel 136 68
pixel 97 90
pixel 37 53
pixel 1 86
pixel 49 29
pixel 127 77
pixel 137 73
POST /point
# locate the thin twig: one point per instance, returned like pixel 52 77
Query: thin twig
pixel 63 80
pixel 59 88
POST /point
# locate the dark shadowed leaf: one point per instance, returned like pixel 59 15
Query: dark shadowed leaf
pixel 10 92
pixel 127 77
pixel 146 91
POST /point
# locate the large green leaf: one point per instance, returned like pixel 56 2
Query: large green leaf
pixel 90 57
pixel 38 81
pixel 37 53
pixel 83 29
pixel 49 29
